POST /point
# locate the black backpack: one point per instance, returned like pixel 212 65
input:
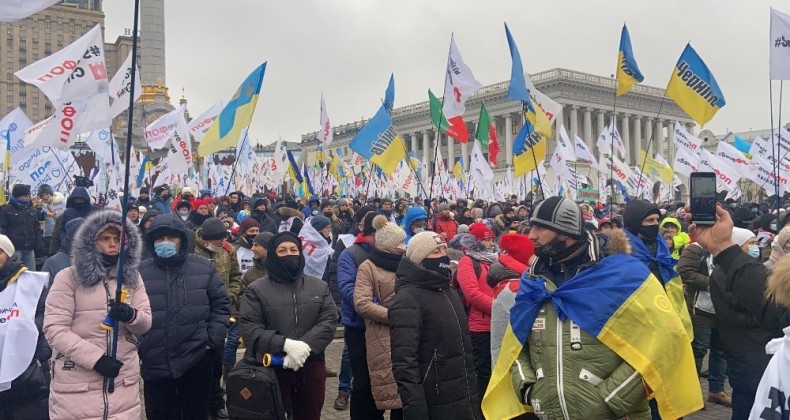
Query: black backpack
pixel 253 391
pixel 457 286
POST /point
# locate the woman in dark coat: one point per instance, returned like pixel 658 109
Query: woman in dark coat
pixel 431 347
pixel 293 314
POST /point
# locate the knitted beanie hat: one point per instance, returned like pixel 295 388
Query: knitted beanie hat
pixel 388 234
pixel 248 223
pixel 213 229
pixel 319 222
pixel 422 244
pixel 517 246
pixel 6 246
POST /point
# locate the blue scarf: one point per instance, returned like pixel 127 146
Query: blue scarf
pixel 663 259
pixel 19 203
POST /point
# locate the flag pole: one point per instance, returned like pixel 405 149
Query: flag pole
pixel 110 382
pixel 649 141
pixel 236 159
pixel 438 132
pixel 7 166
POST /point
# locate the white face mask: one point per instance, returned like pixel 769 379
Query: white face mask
pixel 213 248
pixel 754 251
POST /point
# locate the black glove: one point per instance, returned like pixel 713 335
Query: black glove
pixel 122 312
pixel 108 367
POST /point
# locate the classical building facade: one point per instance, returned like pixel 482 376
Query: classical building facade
pixel 587 107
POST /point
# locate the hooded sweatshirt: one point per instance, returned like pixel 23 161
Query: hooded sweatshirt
pixel 413 214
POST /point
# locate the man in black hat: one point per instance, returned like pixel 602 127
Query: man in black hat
pixel 19 221
pixel 144 199
pixel 162 200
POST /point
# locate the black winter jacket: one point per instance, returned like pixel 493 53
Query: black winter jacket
pixel 190 306
pixel 21 226
pixel 431 347
pixel 272 310
pixel 746 320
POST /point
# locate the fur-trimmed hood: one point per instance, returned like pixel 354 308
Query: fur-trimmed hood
pixel 613 242
pixel 86 258
pixel 336 212
pixel 286 212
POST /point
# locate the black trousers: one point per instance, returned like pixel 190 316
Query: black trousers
pixel 363 406
pixel 187 397
pixel 481 352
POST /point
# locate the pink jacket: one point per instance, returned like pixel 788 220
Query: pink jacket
pixel 71 326
pixel 477 292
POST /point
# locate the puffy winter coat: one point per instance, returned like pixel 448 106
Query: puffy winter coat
pixel 189 303
pixel 431 347
pixel 272 310
pixel 347 266
pixel 693 270
pixel 475 287
pixel 342 222
pixel 588 382
pixel 446 226
pixel 76 306
pixel 227 264
pixel 290 219
pixel 54 264
pixel 162 205
pixel 373 292
pixel 268 224
pixel 504 278
pixel 21 226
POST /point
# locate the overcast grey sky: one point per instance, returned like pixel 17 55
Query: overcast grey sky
pixel 348 48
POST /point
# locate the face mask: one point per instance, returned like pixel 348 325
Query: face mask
pixel 328 214
pixel 551 249
pixel 109 260
pixel 183 213
pixel 165 249
pixel 418 230
pixel 440 265
pixel 649 232
pixel 754 251
pixel 213 248
pixel 249 238
pixel 291 264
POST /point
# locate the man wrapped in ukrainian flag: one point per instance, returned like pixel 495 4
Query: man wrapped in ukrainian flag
pixel 592 334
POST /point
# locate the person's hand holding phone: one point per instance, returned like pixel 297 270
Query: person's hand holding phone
pixel 715 238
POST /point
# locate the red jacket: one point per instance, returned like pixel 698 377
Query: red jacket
pixel 447 226
pixel 477 292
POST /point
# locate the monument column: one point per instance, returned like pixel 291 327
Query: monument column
pixel 508 140
pixel 587 130
pixel 625 136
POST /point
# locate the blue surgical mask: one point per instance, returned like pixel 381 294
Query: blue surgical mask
pixel 165 249
pixel 754 251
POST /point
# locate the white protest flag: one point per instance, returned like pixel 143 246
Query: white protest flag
pixel 558 163
pixel 405 180
pixel 611 164
pixel 18 331
pixel 686 161
pixel 121 86
pixel 180 150
pixel 46 165
pixel 278 165
pixel 584 154
pixel 325 134
pixel 459 84
pixel 244 153
pixel 734 193
pixel 159 132
pixel 478 166
pixel 200 124
pixel 103 143
pixel 779 41
pixel 11 10
pixel 726 177
pixel 564 144
pixel 605 139
pixel 733 157
pixel 769 401
pixel 686 140
pixel 13 127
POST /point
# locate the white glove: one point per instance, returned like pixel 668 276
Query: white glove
pixel 290 363
pixel 299 351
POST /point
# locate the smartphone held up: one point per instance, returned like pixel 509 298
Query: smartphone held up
pixel 702 198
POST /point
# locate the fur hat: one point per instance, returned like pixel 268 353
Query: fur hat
pixel 560 215
pixel 213 229
pixel 246 224
pixel 422 244
pixel 187 190
pixel 6 246
pixel 517 246
pixel 388 234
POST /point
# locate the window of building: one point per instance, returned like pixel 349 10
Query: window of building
pixel 9 54
pixel 60 39
pixel 22 90
pixel 9 77
pixel 23 23
pixel 22 62
pixel 35 36
pixel 9 33
pixel 47 48
pixel 35 112
pixel 9 108
pixel 47 22
pixel 71 27
pixel 47 36
pixel 35 23
pixel 35 56
pixel 9 98
pixel 9 88
pixel 22 34
pixel 444 141
pixel 35 45
pixel 9 43
pixel 35 100
pixel 10 64
pixel 60 26
pixel 72 38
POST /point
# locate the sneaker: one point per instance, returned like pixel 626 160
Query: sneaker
pixel 341 402
pixel 721 398
pixel 331 373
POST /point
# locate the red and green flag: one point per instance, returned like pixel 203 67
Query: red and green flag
pixel 486 134
pixel 455 128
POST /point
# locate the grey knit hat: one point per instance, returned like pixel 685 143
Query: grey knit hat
pixel 560 215
pixel 213 229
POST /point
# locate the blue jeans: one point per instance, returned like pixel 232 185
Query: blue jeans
pixel 706 338
pixel 344 378
pixel 231 344
pixel 28 257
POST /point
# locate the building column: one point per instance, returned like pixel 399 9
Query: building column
pixel 690 128
pixel 587 128
pixel 450 153
pixel 414 143
pixel 465 153
pixel 658 138
pixel 560 120
pixel 508 140
pixel 600 124
pixel 574 122
pixel 670 140
pixel 637 140
pixel 426 159
pixel 625 136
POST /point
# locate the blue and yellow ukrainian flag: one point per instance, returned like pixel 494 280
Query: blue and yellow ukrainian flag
pixel 693 87
pixel 145 166
pixel 743 145
pixel 529 147
pixel 307 185
pixel 458 170
pixel 225 132
pixel 620 303
pixel 628 73
pixel 293 169
pixel 380 143
pixel 517 90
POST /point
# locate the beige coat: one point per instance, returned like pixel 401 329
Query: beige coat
pixel 376 283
